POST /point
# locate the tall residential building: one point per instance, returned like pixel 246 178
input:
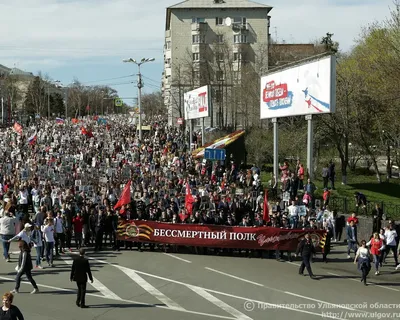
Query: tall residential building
pixel 221 43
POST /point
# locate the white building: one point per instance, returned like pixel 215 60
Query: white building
pixel 221 43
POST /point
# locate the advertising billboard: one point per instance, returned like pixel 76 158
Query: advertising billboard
pixel 197 103
pixel 302 90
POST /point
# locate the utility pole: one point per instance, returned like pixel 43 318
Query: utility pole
pixel 48 102
pixel 140 86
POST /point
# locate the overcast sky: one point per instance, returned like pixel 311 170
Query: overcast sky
pixel 87 39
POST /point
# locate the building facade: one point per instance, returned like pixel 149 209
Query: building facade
pixel 220 43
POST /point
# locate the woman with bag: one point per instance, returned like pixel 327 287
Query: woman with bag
pixel 24 267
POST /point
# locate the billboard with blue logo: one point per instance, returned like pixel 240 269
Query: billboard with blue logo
pixel 301 90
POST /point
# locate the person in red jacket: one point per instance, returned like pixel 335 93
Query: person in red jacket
pixel 78 227
pixel 377 245
pixel 353 218
pixel 326 196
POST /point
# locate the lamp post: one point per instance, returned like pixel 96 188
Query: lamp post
pixel 140 86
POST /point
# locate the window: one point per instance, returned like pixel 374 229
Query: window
pixel 220 75
pixel 239 20
pixel 196 56
pixel 237 56
pixel 168 61
pixel 218 95
pixel 168 45
pixel 198 38
pixel 219 21
pixel 219 56
pixel 198 20
pixel 220 38
pixel 240 38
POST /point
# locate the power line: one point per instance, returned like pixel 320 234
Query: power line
pixel 157 82
pixel 93 81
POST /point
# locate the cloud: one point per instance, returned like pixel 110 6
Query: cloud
pixel 50 34
pixel 48 28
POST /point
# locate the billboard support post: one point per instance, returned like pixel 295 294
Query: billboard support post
pixel 190 134
pixel 276 148
pixel 202 133
pixel 310 145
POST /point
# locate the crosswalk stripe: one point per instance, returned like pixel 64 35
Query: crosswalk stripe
pixel 219 303
pixel 98 285
pixel 149 288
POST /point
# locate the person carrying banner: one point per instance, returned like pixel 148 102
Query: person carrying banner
pixel 306 249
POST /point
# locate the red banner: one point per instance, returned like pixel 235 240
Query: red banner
pixel 265 238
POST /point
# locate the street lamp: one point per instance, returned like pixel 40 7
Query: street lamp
pixel 140 86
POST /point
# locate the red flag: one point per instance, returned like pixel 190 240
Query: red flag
pixel 188 199
pixel 266 217
pixel 86 132
pixel 125 196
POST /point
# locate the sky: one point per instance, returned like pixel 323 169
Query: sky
pixel 88 39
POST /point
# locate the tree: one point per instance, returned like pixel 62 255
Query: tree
pixel 152 104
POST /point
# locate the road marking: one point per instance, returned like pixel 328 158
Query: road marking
pixel 285 292
pixel 329 304
pixel 97 284
pixel 172 256
pixel 221 293
pixel 149 288
pixel 374 283
pixel 219 303
pixel 125 300
pixel 294 263
pixel 262 305
pixel 234 277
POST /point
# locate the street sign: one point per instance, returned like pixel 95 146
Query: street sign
pixel 118 102
pixel 215 154
pixel 179 121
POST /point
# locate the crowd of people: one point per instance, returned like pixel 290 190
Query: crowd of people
pixel 60 181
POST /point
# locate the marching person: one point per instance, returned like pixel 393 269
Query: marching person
pixel 24 234
pixel 364 264
pixel 377 246
pixel 48 231
pixel 351 233
pixel 7 230
pixel 25 266
pixel 8 310
pixel 37 240
pixel 306 250
pixel 79 273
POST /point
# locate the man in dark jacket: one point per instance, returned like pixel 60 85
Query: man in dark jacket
pixel 79 273
pixel 306 250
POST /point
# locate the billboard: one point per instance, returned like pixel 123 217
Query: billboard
pixel 197 103
pixel 302 90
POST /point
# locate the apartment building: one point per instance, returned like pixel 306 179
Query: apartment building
pixel 221 43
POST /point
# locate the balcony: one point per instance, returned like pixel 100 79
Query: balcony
pixel 240 27
pixel 199 27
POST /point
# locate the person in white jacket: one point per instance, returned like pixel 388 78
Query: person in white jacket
pixel 48 231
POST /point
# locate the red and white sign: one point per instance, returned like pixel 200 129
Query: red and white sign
pixel 265 238
pixel 197 103
pixel 179 121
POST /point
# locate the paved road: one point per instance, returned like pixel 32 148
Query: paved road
pixel 155 285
